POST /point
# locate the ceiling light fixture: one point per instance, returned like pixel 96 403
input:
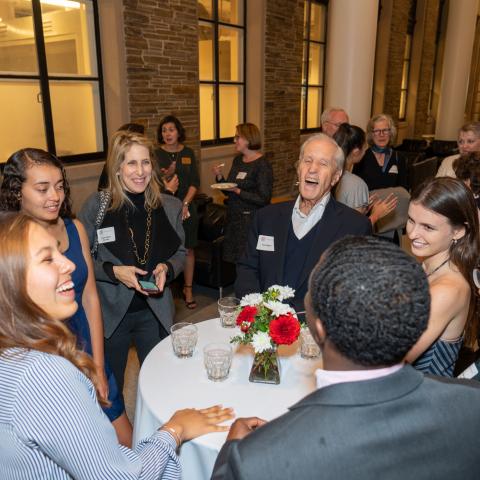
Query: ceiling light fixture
pixel 62 3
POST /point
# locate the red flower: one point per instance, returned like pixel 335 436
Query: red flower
pixel 247 315
pixel 284 329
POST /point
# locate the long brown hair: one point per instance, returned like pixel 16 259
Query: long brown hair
pixel 452 199
pixel 23 324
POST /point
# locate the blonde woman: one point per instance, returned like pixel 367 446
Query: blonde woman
pixel 136 236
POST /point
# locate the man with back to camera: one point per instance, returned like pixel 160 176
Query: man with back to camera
pixel 331 119
pixel 286 240
pixel 372 416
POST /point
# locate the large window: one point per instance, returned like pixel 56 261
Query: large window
pixel 221 52
pixel 313 65
pixel 407 57
pixel 50 78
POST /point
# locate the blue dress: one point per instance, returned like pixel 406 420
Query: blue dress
pixel 440 358
pixel 78 324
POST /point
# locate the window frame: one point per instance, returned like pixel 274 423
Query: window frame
pixel 44 78
pixel 216 82
pixel 306 61
pixel 407 60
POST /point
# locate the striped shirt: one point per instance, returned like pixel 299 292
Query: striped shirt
pixel 440 358
pixel 52 427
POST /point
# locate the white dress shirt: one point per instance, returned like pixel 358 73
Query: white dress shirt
pixel 302 223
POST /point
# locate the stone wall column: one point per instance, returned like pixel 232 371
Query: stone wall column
pixel 462 16
pixel 352 31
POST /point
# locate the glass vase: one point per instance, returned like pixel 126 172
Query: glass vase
pixel 266 367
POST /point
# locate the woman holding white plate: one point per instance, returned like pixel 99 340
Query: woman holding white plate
pixel 253 178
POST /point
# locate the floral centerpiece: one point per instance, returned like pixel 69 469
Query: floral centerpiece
pixel 265 323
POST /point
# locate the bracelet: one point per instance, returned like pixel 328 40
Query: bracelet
pixel 174 434
pixel 186 204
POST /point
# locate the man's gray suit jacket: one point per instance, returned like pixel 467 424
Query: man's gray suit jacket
pixel 400 427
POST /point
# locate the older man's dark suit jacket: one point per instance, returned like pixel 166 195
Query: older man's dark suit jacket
pixel 402 426
pixel 257 269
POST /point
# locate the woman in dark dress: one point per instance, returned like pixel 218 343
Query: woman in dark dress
pixel 381 166
pixel 34 182
pixel 139 238
pixel 179 166
pixel 254 178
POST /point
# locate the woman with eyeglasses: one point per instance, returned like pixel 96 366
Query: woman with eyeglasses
pixel 253 176
pixel 51 422
pixel 444 233
pixel 381 166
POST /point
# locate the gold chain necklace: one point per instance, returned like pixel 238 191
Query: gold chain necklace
pixel 143 260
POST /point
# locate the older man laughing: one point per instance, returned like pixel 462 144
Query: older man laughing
pixel 287 239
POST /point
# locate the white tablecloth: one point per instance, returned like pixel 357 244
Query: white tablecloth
pixel 167 383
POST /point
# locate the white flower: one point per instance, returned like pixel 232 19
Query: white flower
pixel 251 299
pixel 283 292
pixel 279 308
pixel 261 342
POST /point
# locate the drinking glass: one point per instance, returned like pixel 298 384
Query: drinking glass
pixel 184 338
pixel 228 310
pixel 308 346
pixel 217 358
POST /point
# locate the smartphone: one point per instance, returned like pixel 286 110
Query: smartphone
pixel 148 287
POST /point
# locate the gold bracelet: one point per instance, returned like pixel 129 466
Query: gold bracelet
pixel 174 433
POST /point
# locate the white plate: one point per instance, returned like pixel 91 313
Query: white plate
pixel 223 186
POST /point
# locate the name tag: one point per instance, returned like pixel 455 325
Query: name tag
pixel 186 161
pixel 241 175
pixel 265 243
pixel 106 235
pixel 393 169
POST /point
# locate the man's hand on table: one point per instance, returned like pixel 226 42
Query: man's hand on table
pixel 243 426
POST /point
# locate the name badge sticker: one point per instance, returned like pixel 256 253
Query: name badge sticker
pixel 393 169
pixel 186 161
pixel 241 175
pixel 106 235
pixel 266 243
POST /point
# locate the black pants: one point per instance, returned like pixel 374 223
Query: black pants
pixel 144 330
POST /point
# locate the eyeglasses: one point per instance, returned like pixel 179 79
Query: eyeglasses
pixel 383 131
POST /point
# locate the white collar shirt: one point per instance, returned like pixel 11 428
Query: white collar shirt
pixel 302 223
pixel 332 377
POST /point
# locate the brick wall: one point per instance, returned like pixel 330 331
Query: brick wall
pixel 283 70
pixel 396 50
pixel 161 42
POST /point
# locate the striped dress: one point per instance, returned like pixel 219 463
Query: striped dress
pixel 440 358
pixel 52 427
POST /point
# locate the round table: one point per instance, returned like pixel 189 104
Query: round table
pixel 167 383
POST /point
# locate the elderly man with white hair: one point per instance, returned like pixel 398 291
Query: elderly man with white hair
pixel 331 119
pixel 287 239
